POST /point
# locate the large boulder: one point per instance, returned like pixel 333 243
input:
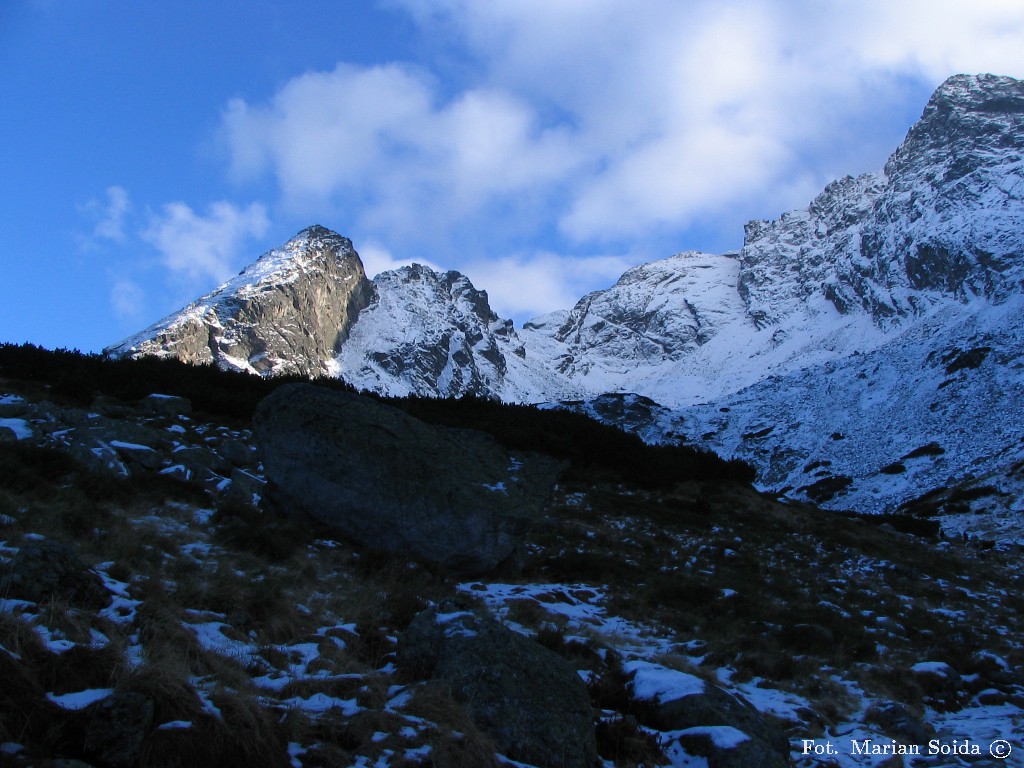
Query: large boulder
pixel 526 698
pixel 455 498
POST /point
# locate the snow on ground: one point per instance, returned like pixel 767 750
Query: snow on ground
pixel 578 607
pixel 19 427
pixel 79 699
pixel 653 682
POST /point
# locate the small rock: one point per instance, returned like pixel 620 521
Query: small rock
pixel 897 722
pixel 527 699
pixel 50 569
pixel 117 726
pixel 166 405
pixel 675 701
pixel 941 684
pixel 142 455
pixel 98 457
pixel 237 452
pixel 202 461
pixel 727 747
pixel 245 487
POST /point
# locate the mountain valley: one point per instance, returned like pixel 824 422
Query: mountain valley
pixel 839 339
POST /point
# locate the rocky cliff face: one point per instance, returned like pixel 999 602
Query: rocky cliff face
pixel 942 221
pixel 288 312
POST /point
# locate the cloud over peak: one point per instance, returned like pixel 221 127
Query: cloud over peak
pixel 602 121
pixel 199 248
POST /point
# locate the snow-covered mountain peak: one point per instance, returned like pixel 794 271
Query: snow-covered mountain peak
pixel 433 333
pixel 656 313
pixel 963 103
pixel 941 222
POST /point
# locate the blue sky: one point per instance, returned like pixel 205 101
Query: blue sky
pixel 153 149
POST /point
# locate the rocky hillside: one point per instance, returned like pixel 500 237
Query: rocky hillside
pixel 154 610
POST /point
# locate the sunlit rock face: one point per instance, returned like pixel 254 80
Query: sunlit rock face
pixel 288 312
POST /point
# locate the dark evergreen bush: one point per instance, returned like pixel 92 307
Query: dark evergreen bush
pixel 589 446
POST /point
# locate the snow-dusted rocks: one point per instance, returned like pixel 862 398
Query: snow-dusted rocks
pixel 528 699
pixel 455 498
pixel 130 439
pixel 706 719
pixel 288 312
pixel 432 333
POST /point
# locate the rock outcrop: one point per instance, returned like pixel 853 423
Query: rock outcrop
pixel 706 720
pixel 527 699
pixel 455 498
pixel 941 221
pixel 50 570
pixel 288 312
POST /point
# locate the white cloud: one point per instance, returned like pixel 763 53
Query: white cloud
pixel 692 108
pixel 524 286
pixel 110 216
pixel 381 142
pixel 117 207
pixel 595 123
pixel 127 299
pixel 202 248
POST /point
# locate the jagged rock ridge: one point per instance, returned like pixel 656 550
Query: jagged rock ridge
pixel 943 220
pixel 426 332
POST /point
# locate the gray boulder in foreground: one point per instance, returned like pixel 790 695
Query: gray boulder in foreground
pixel 526 698
pixel 455 498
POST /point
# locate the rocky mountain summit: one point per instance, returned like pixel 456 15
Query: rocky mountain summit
pixel 287 312
pixel 941 221
pixel 843 318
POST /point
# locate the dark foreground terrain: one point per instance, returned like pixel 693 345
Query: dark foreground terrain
pixel 153 613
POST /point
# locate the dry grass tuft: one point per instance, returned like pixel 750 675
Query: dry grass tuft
pixel 455 740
